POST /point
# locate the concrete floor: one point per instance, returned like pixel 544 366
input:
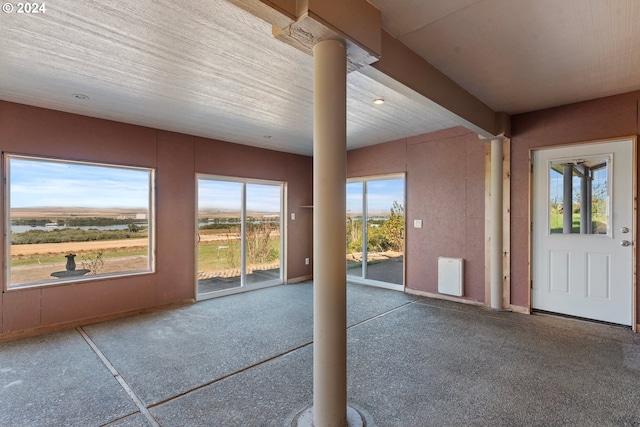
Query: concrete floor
pixel 389 271
pixel 215 283
pixel 246 360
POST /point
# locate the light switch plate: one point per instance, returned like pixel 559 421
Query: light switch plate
pixel 417 223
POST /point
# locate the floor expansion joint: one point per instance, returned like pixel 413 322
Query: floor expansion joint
pixel 143 409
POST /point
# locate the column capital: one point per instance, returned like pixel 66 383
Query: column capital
pixel 302 24
pixel 318 20
pixel 376 54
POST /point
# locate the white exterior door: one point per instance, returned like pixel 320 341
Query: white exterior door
pixel 582 236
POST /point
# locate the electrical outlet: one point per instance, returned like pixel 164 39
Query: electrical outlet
pixel 306 261
pixel 293 216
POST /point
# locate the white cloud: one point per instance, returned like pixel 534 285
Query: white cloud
pixel 36 183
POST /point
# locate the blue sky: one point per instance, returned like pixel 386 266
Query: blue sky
pixel 226 195
pixel 35 183
pixel 39 183
pixel 380 195
pixel 556 183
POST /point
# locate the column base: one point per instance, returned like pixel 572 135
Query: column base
pixel 305 418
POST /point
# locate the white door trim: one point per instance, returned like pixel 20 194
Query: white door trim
pixel 635 325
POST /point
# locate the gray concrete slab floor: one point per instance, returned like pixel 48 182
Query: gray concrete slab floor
pixel 168 353
pixel 246 360
pixel 57 380
pixel 458 366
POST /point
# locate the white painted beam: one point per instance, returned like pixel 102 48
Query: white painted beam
pixel 375 53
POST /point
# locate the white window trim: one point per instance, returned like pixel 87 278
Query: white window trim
pixel 151 265
pixel 244 287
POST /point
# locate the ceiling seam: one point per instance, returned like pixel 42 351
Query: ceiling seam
pixel 437 20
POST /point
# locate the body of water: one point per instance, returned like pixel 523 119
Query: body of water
pixel 25 228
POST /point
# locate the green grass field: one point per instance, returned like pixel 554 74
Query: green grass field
pixel 225 254
pixel 16 262
pixel 556 223
pixel 216 255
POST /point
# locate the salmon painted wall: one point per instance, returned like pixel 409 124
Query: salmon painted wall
pixel 176 159
pixel 445 189
pixel 605 118
pixel 445 186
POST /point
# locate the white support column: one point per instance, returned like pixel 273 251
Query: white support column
pixel 496 224
pixel 589 212
pixel 584 202
pixel 567 198
pixel 329 234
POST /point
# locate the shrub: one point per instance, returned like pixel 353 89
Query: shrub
pixel 61 235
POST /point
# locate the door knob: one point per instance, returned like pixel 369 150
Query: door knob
pixel 625 243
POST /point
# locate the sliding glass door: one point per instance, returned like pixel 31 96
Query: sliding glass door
pixel 375 230
pixel 239 235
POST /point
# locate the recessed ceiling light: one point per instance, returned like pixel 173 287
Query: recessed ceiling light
pixel 378 101
pixel 80 96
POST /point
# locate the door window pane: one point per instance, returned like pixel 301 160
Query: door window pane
pixel 219 231
pixel 385 230
pixel 375 250
pixel 76 221
pixel 579 196
pixel 263 232
pixel 354 229
pixel 239 234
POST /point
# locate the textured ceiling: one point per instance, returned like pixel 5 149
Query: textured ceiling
pixel 524 55
pixel 207 68
pixel 204 68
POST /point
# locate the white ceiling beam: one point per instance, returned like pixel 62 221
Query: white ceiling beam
pixel 402 65
pixel 392 63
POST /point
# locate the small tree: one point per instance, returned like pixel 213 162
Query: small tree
pixel 393 228
pixel 93 263
pixel 232 239
pixel 354 234
pixel 258 240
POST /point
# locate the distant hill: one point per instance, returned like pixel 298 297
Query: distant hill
pixel 67 212
pixel 229 213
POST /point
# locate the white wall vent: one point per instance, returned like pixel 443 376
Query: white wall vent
pixel 450 276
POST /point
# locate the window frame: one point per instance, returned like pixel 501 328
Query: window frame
pixel 151 203
pixel 608 159
pixel 365 180
pixel 243 218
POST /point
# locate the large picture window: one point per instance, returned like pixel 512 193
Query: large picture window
pixel 71 221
